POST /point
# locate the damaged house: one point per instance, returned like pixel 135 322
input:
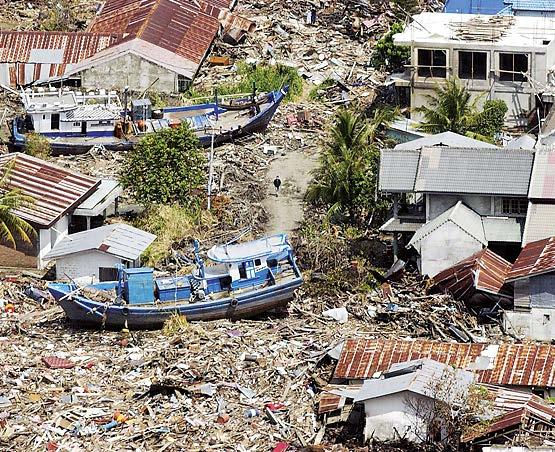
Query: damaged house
pixel 449 203
pixel 509 58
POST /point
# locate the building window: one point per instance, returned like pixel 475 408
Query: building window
pixel 432 63
pixel 55 121
pixel 182 83
pixel 77 124
pixel 514 206
pixel 512 66
pixel 473 65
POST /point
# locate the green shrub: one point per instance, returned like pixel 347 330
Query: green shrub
pixel 388 56
pixel 38 146
pixel 491 119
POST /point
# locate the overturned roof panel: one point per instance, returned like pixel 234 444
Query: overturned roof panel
pixel 540 222
pixel 503 364
pixel 536 258
pixel 484 271
pixel 398 170
pixel 54 190
pixel 474 171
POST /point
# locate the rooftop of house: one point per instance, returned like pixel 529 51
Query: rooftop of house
pixel 536 258
pixel 532 5
pixel 540 222
pixel 456 170
pixel 54 190
pixel 474 7
pixel 448 139
pixel 472 30
pixel 120 240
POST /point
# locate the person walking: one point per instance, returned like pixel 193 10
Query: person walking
pixel 277 184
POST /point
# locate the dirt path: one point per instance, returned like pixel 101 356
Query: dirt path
pixel 286 209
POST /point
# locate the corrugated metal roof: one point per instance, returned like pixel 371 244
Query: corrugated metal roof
pixel 540 222
pixel 535 259
pixel 480 171
pixel 503 364
pixel 100 199
pixel 464 217
pixel 542 181
pixel 119 240
pixel 450 139
pixel 55 190
pixel 91 113
pixel 184 27
pixel 502 229
pixel 484 271
pixel 36 55
pixel 398 170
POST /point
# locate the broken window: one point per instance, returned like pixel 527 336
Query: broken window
pixel 515 206
pixel 432 63
pixel 473 65
pixel 512 66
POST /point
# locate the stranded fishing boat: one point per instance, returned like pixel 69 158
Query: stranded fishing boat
pixel 73 122
pixel 244 280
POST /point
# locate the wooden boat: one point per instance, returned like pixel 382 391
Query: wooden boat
pixel 244 280
pixel 75 122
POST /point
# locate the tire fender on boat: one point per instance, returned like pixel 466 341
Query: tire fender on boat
pixel 233 302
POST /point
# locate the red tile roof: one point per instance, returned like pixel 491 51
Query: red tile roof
pixel 484 271
pixel 37 55
pixel 55 190
pixel 510 364
pixel 184 27
pixel 534 259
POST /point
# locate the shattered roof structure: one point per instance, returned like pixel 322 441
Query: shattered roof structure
pixel 120 240
pixel 456 170
pixel 38 55
pixel 484 271
pixel 449 139
pixel 462 216
pixel 536 258
pixel 503 364
pixel 54 190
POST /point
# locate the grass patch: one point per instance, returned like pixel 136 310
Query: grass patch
pixel 265 77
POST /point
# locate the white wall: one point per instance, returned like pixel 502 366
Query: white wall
pixel 84 265
pixel 394 412
pixel 538 324
pixel 49 237
pixel 444 247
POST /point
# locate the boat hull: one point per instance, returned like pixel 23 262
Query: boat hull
pixel 248 304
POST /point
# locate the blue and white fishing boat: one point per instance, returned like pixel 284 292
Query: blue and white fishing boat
pixel 73 122
pixel 243 280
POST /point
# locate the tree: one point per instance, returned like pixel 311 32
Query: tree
pixel 13 228
pixel 165 167
pixel 345 181
pixel 451 108
pixel 386 54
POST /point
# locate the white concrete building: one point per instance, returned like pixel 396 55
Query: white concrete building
pixel 96 253
pixel 496 57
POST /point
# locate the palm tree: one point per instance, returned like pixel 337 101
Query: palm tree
pixel 449 109
pixel 12 227
pixel 345 170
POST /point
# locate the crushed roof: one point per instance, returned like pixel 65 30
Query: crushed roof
pixel 536 258
pixel 120 240
pixel 492 171
pixel 484 271
pixel 502 364
pixel 450 139
pixel 542 181
pixel 540 222
pixel 54 190
pixel 398 170
pixel 462 216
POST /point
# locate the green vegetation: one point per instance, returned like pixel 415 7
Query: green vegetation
pixel 316 93
pixel 265 77
pixel 62 16
pixel 345 181
pixel 388 56
pixel 13 228
pixel 451 108
pixel 38 146
pixel 166 167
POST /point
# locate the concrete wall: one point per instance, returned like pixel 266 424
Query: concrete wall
pixel 393 415
pixel 444 247
pixel 437 204
pixel 85 264
pixel 129 70
pixel 538 324
pixel 519 96
pixel 49 237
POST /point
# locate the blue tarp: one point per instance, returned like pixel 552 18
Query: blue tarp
pixel 474 6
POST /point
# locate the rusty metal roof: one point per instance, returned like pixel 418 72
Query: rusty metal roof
pixel 55 190
pixel 535 259
pixel 503 364
pixel 35 55
pixel 484 271
pixel 184 27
